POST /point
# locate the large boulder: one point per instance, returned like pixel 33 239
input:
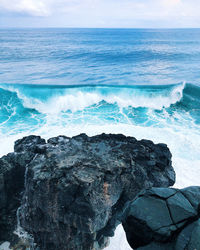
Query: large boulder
pixel 164 218
pixel 75 189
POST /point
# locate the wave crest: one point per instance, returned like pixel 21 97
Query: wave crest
pixel 54 101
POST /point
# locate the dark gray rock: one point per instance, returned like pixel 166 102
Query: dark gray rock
pixel 12 169
pixel 164 218
pixel 158 246
pixel 180 208
pixel 193 195
pixel 194 242
pixel 76 188
pixel 184 237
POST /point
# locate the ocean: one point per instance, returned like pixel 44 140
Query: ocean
pixel 139 82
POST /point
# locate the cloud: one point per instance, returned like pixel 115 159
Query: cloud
pixel 108 13
pixel 31 7
pixel 171 3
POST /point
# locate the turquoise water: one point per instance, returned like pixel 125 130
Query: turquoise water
pixel 28 107
pixel 144 83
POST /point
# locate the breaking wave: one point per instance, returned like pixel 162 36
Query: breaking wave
pixel 53 100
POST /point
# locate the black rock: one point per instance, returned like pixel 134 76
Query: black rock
pixel 76 188
pixel 164 218
pixel 12 170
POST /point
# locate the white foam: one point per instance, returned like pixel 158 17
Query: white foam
pixel 76 100
pixel 5 246
pixel 119 242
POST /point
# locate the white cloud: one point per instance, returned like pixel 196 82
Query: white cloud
pixel 31 7
pixel 171 3
pixel 113 13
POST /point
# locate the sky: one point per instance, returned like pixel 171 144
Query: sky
pixel 100 13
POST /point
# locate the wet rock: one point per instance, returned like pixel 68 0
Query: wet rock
pixel 12 170
pixel 164 218
pixel 76 188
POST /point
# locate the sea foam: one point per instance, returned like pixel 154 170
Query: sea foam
pixel 76 99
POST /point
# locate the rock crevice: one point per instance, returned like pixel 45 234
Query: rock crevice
pixel 178 221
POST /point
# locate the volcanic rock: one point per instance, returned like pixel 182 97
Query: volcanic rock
pixel 12 170
pixel 76 187
pixel 164 218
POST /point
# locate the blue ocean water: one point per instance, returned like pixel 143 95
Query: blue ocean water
pixel 140 82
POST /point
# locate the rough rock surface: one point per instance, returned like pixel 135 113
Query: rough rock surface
pixel 76 188
pixel 12 169
pixel 163 219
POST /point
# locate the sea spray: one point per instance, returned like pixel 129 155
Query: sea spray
pixel 56 100
pixel 25 239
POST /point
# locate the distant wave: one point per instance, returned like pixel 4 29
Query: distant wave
pixel 51 99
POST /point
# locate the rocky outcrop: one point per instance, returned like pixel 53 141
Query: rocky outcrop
pixel 76 188
pixel 12 169
pixel 163 219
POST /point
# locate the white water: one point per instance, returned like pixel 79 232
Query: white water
pixel 5 246
pixel 76 100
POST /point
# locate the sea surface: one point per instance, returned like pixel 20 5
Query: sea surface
pixel 139 82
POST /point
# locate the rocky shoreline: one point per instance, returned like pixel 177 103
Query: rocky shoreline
pixel 72 193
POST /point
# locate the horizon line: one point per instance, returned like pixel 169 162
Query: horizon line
pixel 59 27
